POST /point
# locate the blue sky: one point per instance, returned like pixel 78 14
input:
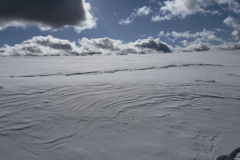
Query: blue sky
pixel 177 23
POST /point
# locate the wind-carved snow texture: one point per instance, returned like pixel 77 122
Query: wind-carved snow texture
pixel 119 70
pixel 188 113
pixel 108 120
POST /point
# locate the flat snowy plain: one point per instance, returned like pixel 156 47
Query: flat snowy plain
pixel 175 106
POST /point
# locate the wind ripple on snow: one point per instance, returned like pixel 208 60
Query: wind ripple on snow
pixel 54 119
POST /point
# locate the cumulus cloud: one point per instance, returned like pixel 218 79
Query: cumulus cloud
pixel 200 41
pixel 202 36
pixel 182 9
pixel 206 46
pixel 195 47
pixel 154 44
pixel 41 46
pixel 228 46
pixel 111 46
pixel 143 11
pixel 100 46
pixel 185 42
pixel 50 46
pixel 46 14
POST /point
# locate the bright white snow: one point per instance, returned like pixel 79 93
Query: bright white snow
pixel 176 106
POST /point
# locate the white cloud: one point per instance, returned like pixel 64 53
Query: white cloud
pixel 90 21
pixel 143 35
pixel 5 24
pixel 182 9
pixel 236 34
pixel 185 42
pixel 161 18
pixel 143 11
pixel 41 46
pixel 222 1
pixel 235 24
pixel 126 21
pixel 215 12
pixel 214 38
pixel 206 46
pixel 161 33
pixel 232 22
pixel 234 7
pixel 205 35
pixel 100 46
pixel 227 46
pixel 195 47
pixel 200 40
pixel 219 29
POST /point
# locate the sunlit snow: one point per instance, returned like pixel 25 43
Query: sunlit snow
pixel 175 106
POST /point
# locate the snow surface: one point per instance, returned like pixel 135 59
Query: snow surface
pixel 176 106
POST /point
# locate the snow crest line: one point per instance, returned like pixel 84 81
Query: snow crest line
pixel 121 70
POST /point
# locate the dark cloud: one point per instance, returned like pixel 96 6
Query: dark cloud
pixel 48 13
pixel 151 43
pixel 55 13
